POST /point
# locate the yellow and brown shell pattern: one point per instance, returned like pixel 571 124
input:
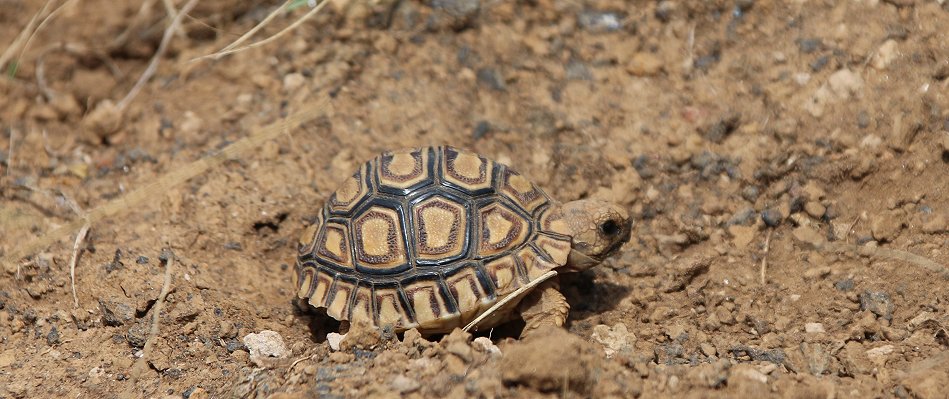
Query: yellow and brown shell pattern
pixel 427 238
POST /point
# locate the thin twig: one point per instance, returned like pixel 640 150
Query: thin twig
pixel 764 258
pixel 153 64
pixel 292 26
pixel 72 262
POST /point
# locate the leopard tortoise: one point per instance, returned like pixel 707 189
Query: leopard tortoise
pixel 437 238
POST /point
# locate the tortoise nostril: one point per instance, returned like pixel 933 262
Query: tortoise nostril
pixel 610 227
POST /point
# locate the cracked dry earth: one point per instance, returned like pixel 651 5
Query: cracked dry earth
pixel 786 164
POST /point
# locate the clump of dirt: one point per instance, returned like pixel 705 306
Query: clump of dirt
pixel 784 163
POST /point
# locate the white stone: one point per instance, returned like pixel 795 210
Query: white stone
pixel 486 346
pixel 334 339
pixel 813 328
pixel 265 344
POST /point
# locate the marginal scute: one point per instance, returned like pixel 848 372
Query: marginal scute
pixel 318 296
pixel 470 296
pixel 334 244
pixel 551 221
pixel 338 307
pixel 558 249
pixel 440 226
pixel 350 192
pixel 309 236
pixel 389 309
pixel 500 230
pixel 380 244
pixel 362 304
pixel 521 191
pixel 431 309
pixel 468 171
pixel 535 265
pixel 305 281
pixel 504 274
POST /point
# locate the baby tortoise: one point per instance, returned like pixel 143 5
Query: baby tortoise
pixel 437 238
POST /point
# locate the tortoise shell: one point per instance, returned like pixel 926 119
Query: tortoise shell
pixel 427 238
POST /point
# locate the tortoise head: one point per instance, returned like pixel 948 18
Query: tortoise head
pixel 598 229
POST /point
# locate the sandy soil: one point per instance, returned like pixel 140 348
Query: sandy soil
pixel 786 162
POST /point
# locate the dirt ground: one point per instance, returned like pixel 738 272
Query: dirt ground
pixel 786 163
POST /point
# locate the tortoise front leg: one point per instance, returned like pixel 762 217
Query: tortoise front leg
pixel 544 306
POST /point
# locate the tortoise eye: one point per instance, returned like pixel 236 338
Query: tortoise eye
pixel 609 227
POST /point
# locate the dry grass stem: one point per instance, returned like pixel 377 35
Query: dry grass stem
pixel 308 112
pixel 763 270
pixel 153 64
pixel 263 42
pixel 139 367
pixel 72 262
pixel 256 28
pixel 24 35
pixel 121 38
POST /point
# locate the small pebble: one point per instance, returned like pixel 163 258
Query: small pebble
pixel 403 384
pixel 877 302
pixel 333 339
pixel 814 328
pixel 844 285
pixel 599 21
pixel 814 209
pixel 491 78
pixel 53 337
pixel 772 217
pixel 264 345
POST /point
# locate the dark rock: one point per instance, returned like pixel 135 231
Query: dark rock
pixel 665 10
pixel 53 337
pixel 454 14
pixel 115 313
pixel 775 356
pixel 744 216
pixel 670 354
pixel 116 262
pixel 600 21
pixel 750 193
pixel 644 166
pixel 234 345
pixel 808 46
pixel 491 78
pixel 577 70
pixel 137 335
pixel 863 119
pixel 457 8
pixel 233 246
pixel 878 303
pixel 705 62
pixel 142 260
pixel 772 217
pixel 718 131
pixel 844 285
pixel 819 63
pixel 480 130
